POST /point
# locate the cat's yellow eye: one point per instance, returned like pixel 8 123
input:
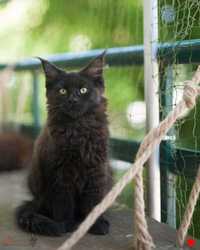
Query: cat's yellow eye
pixel 63 91
pixel 83 91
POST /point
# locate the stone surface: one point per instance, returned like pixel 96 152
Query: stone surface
pixel 13 191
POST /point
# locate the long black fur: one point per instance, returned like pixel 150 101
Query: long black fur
pixel 70 173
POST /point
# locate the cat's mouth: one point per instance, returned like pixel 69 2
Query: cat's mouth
pixel 74 111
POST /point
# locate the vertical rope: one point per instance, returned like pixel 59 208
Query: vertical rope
pixel 143 239
pixel 186 221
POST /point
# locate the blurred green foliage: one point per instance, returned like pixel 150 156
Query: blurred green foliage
pixel 48 27
pixel 107 23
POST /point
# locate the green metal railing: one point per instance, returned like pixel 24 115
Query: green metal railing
pixel 184 52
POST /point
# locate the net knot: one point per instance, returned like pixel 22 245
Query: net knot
pixel 190 94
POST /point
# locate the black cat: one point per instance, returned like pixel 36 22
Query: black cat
pixel 70 172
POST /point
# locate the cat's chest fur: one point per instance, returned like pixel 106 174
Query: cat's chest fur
pixel 81 141
pixel 73 152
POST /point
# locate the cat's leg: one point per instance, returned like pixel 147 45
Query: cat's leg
pixel 91 196
pixel 87 202
pixel 63 209
pixel 29 219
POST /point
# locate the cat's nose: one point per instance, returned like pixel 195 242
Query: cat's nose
pixel 73 100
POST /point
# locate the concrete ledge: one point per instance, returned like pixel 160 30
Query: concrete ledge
pixel 13 191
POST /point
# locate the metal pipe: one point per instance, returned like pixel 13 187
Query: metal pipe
pixel 168 183
pixel 187 52
pixel 151 73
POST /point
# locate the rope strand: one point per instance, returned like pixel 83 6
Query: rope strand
pixel 186 221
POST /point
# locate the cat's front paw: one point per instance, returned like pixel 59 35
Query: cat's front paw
pixel 101 227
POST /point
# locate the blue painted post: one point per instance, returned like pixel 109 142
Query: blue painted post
pixel 168 178
pixel 35 100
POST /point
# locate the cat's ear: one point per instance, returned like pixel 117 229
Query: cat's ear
pixel 50 70
pixel 94 69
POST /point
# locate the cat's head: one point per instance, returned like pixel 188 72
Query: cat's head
pixel 74 93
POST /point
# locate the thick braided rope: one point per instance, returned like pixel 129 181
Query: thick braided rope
pixel 143 239
pixel 151 140
pixel 186 221
pixel 183 229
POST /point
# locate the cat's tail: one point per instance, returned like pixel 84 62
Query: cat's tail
pixel 29 220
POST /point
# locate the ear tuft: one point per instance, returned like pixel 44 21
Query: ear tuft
pixel 95 68
pixel 50 70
